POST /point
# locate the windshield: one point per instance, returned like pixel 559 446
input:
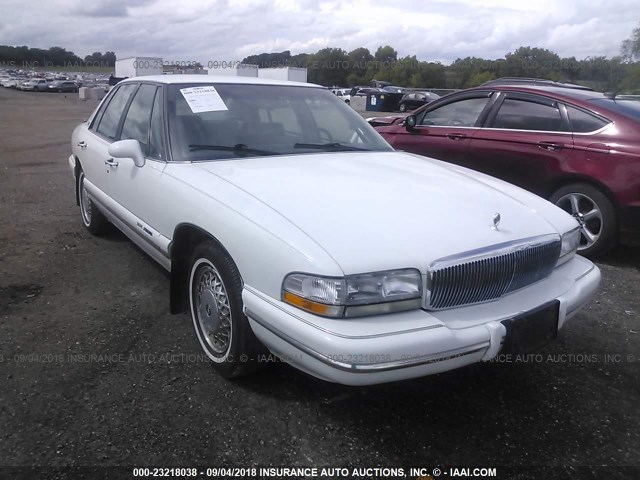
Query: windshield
pixel 263 120
pixel 628 108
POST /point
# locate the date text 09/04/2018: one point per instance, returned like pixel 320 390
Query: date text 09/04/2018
pixel 249 472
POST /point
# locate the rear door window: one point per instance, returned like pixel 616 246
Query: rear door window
pixel 519 114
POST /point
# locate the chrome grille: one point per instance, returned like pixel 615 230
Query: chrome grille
pixel 488 274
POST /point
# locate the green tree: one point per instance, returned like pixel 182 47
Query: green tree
pixel 384 58
pixel 359 61
pixel 532 62
pixel 631 82
pixel 329 66
pixel 402 71
pixel 630 48
pixel 269 60
pixel 386 54
pixel 429 75
pixel 460 72
pixel 23 55
pixel 300 60
pixel 479 78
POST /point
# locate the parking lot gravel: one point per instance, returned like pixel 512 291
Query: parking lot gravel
pixel 95 371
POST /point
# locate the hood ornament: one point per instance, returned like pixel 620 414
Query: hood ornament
pixel 496 221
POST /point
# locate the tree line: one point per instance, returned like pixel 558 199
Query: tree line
pixel 26 57
pixel 335 66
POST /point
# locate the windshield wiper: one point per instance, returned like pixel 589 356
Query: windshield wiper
pixel 330 146
pixel 240 148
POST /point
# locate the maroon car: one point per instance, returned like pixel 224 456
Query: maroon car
pixel 579 149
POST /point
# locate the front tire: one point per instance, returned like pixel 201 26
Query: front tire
pixel 594 212
pixel 92 218
pixel 403 107
pixel 215 301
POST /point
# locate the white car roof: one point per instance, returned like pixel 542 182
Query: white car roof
pixel 169 79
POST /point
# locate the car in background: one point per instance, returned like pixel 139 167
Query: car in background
pixel 63 86
pixel 412 100
pixel 577 148
pixel 343 94
pixel 9 83
pixel 238 187
pixel 363 91
pixel 392 89
pixel 35 85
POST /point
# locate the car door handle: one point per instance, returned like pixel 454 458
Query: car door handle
pixel 82 144
pixel 456 136
pixel 111 162
pixel 550 146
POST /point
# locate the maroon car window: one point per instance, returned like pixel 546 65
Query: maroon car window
pixel 583 122
pixel 515 114
pixel 463 113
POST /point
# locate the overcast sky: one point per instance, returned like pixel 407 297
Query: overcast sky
pixel 227 30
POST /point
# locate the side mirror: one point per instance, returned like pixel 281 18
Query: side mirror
pixel 127 149
pixel 410 123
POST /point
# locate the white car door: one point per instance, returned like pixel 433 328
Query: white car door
pixel 137 191
pixel 92 141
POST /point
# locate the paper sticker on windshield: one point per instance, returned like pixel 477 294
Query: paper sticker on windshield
pixel 203 99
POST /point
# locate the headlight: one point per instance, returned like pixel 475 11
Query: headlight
pixel 354 295
pixel 570 243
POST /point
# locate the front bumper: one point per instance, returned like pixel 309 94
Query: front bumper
pixel 630 224
pixel 387 348
pixel 72 165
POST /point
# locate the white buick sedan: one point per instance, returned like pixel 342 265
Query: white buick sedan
pixel 289 225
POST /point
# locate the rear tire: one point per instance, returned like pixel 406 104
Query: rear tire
pixel 403 107
pixel 215 303
pixel 92 218
pixel 595 213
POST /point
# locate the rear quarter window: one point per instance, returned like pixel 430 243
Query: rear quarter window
pixel 583 122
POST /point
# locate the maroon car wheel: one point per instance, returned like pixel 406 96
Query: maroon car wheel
pixel 594 212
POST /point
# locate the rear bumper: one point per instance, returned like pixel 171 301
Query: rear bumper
pixel 399 346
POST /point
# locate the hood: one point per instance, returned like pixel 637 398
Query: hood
pixel 384 210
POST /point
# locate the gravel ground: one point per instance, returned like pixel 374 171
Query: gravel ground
pixel 147 398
